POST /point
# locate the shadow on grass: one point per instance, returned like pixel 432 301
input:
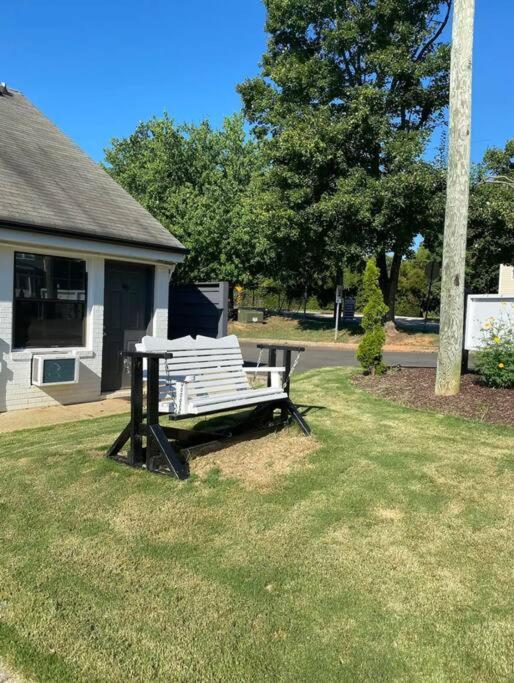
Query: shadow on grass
pixel 233 420
pixel 327 324
pixel 417 326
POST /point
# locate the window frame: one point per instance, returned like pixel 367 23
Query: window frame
pixel 35 349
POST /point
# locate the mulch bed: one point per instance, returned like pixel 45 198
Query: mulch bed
pixel 414 387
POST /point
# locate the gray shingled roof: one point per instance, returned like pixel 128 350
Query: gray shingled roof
pixel 47 182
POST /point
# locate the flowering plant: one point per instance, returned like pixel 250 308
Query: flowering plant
pixel 495 360
pixel 238 295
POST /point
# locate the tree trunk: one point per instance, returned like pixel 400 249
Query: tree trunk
pixel 383 279
pixel 388 281
pixel 392 289
pixel 457 203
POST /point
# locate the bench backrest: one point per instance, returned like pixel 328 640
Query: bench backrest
pixel 210 365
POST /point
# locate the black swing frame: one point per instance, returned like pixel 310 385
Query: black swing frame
pixel 168 449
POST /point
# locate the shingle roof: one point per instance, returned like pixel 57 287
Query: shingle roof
pixel 47 182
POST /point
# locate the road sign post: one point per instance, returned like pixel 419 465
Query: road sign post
pixel 339 301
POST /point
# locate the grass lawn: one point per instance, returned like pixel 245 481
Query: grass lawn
pixel 386 554
pixel 321 330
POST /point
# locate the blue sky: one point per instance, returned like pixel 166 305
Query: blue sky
pixel 97 68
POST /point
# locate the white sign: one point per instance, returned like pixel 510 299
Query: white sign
pixel 339 294
pixel 482 307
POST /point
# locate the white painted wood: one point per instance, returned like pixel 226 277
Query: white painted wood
pixel 480 309
pixel 76 245
pixel 218 385
pixel 208 375
pixel 240 403
pixel 268 391
pixel 264 369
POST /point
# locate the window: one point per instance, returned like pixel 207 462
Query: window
pixel 49 301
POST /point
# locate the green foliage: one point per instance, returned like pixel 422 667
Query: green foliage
pixel 369 353
pixel 348 94
pixel 491 222
pixel 495 361
pixel 414 283
pixel 193 179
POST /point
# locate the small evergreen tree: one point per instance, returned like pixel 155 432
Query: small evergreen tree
pixel 369 353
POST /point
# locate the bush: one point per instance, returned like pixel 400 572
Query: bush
pixel 495 361
pixel 369 353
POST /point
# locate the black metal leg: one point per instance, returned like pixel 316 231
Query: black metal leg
pixel 298 417
pixel 272 363
pixel 160 444
pixel 152 413
pixel 135 455
pixel 120 442
pixel 286 362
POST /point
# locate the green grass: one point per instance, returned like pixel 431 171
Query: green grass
pixel 308 329
pixel 386 555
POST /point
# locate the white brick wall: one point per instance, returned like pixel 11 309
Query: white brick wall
pixel 16 392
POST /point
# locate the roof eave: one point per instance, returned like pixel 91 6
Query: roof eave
pixel 46 230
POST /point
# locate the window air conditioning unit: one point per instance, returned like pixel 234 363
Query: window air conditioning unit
pixel 53 370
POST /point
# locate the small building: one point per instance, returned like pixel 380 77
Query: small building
pixel 506 284
pixel 84 268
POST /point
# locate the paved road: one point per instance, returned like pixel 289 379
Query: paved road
pixel 316 357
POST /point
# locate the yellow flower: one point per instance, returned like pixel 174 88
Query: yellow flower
pixel 501 365
pixel 496 340
pixel 486 326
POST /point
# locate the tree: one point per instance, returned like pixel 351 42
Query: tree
pixel 457 201
pixel 369 353
pixel 491 219
pixel 193 180
pixel 415 291
pixel 346 99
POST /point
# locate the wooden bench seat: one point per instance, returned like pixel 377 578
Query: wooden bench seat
pixel 205 375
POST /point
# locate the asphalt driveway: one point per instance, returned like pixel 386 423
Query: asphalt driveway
pixel 322 357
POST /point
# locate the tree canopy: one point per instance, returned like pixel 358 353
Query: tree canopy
pixel 491 219
pixel 346 99
pixel 193 179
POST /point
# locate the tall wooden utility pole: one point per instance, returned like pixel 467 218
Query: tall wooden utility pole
pixel 457 202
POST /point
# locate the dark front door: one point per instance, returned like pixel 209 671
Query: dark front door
pixel 128 306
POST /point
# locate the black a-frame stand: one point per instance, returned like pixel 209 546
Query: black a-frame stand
pixel 167 450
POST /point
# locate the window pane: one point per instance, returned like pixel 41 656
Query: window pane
pixel 48 323
pixel 50 296
pixel 49 277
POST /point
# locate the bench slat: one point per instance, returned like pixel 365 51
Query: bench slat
pixel 239 403
pixel 236 395
pixel 190 365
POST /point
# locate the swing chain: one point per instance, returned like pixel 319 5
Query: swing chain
pixel 291 371
pixel 259 359
pixel 176 394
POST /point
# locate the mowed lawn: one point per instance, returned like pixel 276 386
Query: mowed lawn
pixel 386 554
pixel 299 329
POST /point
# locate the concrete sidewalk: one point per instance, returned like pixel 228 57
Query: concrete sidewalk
pixel 42 417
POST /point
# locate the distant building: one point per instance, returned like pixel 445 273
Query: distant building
pixel 506 284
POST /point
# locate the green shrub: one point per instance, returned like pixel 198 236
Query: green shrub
pixel 495 361
pixel 369 353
